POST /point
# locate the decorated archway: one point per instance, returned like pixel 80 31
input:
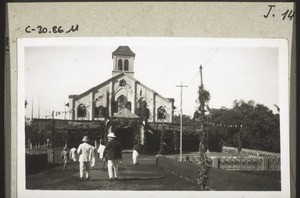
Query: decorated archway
pixel 126 136
pixel 128 128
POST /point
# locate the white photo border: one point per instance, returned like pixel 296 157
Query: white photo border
pixel 284 96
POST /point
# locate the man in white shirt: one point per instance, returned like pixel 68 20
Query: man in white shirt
pixel 73 156
pixel 85 155
pixel 101 154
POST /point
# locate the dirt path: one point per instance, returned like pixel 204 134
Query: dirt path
pixel 145 176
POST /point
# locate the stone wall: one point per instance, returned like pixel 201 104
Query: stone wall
pixel 257 153
pixel 48 152
pixel 235 163
pixel 246 163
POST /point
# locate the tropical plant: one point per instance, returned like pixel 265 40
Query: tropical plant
pixel 258 126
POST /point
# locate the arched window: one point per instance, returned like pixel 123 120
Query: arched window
pixel 105 112
pixel 142 111
pixel 128 106
pixel 122 101
pixel 126 65
pixel 120 64
pixel 81 111
pixel 96 112
pixel 101 112
pixel 161 113
pixel 141 103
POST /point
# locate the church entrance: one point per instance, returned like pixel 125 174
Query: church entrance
pixel 125 136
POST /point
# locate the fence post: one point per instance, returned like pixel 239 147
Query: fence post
pixel 215 162
pixel 50 156
pixel 265 163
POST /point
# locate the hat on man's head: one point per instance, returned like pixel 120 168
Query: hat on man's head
pixel 85 139
pixel 112 135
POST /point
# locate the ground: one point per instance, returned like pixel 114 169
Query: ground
pixel 148 176
pixel 145 176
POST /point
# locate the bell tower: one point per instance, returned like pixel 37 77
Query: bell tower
pixel 123 61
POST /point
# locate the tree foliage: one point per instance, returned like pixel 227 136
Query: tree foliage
pixel 203 99
pixel 186 120
pixel 260 126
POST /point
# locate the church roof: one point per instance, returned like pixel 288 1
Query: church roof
pixel 116 77
pixel 123 51
pixel 125 113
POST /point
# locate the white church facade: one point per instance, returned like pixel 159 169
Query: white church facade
pixel 122 95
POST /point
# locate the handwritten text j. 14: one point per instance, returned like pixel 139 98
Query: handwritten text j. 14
pixel 285 14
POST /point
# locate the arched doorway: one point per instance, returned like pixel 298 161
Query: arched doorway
pixel 125 136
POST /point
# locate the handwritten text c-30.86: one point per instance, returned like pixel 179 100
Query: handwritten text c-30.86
pixel 52 30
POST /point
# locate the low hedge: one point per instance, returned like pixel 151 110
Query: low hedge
pixel 220 179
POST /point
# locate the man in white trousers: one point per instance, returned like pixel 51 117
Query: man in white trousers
pixel 135 153
pixel 113 154
pixel 101 154
pixel 85 155
pixel 73 156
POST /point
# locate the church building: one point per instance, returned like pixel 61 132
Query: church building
pixel 122 104
pixel 121 95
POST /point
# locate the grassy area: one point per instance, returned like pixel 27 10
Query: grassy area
pixel 228 180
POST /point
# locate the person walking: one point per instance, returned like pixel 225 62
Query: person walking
pixel 101 154
pixel 85 155
pixel 135 153
pixel 93 159
pixel 65 157
pixel 113 154
pixel 73 156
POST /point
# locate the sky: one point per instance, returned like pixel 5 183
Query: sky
pixel 232 70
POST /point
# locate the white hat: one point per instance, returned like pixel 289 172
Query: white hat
pixel 111 135
pixel 85 139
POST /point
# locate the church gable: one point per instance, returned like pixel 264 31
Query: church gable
pixel 121 93
pixel 124 84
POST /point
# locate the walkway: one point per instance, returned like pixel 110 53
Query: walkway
pixel 145 176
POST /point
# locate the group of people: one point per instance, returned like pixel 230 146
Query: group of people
pixel 110 155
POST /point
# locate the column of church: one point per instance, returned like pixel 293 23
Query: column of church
pixel 92 106
pixel 71 108
pixel 134 97
pixel 172 111
pixel 111 98
pixel 154 107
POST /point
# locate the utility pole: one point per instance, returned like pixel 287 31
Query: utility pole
pixel 31 107
pixel 39 107
pixel 181 86
pixel 240 138
pixel 203 168
pixel 201 77
pixel 202 104
pixel 65 110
